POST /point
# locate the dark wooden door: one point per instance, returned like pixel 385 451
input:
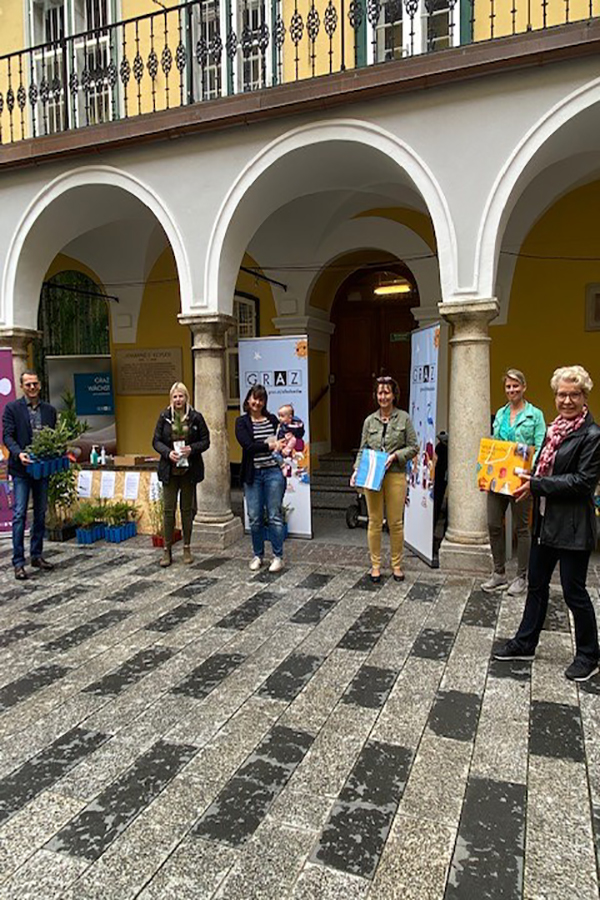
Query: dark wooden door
pixel 369 338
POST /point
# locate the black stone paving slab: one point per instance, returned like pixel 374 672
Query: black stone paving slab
pixel 590 687
pixel 433 644
pixel 315 581
pixel 18 632
pixel 557 617
pixel 56 599
pixel 108 815
pixel 87 630
pixel 455 714
pixel 519 669
pixel 266 577
pixel 72 561
pixel 313 611
pixel 243 615
pixel 291 676
pixel 17 593
pixel 119 559
pixel 29 684
pixel 368 628
pixel 359 823
pixel 46 768
pixel 364 583
pixel 424 591
pixel 489 856
pixel 243 803
pixel 370 687
pixel 596 828
pixel 197 586
pixel 132 671
pixel 481 609
pixel 133 590
pixel 175 617
pixel 209 565
pixel 208 675
pixel 555 731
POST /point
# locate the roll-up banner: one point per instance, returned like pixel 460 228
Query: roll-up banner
pixel 7 393
pixel 420 474
pixel 281 365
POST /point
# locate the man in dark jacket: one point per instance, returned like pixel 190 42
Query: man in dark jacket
pixel 20 420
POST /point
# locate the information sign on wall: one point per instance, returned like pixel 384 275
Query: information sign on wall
pixel 152 370
pixel 93 394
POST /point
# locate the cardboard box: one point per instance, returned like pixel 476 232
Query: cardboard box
pixel 497 462
pixel 129 459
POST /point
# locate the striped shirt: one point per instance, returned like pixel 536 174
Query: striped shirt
pixel 261 431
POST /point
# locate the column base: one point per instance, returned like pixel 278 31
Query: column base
pixel 217 535
pixel 467 558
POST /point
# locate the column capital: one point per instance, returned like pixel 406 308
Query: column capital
pixel 479 312
pixel 319 330
pixel 17 337
pixel 209 330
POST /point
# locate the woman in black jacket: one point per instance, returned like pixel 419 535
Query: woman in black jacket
pixel 181 437
pixel 564 523
pixel 261 476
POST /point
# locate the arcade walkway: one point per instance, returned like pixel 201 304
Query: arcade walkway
pixel 208 733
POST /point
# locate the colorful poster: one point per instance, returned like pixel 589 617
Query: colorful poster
pixel 500 465
pixel 7 393
pixel 281 365
pixel 420 472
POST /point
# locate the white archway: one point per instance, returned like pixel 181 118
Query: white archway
pixel 39 236
pixel 519 171
pixel 246 206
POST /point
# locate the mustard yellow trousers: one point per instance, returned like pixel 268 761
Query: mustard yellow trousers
pixel 392 494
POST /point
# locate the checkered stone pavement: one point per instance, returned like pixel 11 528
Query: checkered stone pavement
pixel 206 732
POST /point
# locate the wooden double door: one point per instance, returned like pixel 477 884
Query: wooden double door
pixel 371 338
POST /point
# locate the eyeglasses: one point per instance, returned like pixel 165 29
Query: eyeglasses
pixel 27 384
pixel 575 395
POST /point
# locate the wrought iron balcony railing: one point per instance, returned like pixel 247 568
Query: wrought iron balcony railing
pixel 206 49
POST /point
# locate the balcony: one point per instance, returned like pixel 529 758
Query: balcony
pixel 183 59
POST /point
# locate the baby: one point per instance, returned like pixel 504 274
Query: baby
pixel 290 431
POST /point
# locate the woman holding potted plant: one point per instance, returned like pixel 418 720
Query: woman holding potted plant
pixel 181 437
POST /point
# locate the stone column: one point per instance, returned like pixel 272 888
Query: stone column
pixel 18 339
pixel 215 526
pixel 466 543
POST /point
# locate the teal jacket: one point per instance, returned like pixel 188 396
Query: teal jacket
pixel 529 427
pixel 400 438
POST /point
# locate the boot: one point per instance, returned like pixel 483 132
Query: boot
pixel 166 558
pixel 187 555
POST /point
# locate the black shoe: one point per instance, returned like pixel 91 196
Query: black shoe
pixel 41 563
pixel 581 669
pixel 512 650
pixel 20 573
pixel 399 577
pixel 375 579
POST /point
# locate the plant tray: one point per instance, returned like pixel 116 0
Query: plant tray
pixel 65 533
pixel 44 468
pixel 115 534
pixel 159 541
pixel 90 535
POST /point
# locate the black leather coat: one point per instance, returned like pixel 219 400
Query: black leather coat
pixel 569 521
pixel 198 439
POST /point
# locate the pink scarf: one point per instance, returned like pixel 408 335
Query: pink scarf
pixel 557 432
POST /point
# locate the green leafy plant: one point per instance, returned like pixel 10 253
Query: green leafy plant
pixel 178 427
pixel 62 497
pixel 49 442
pixel 68 418
pixel 121 512
pixel 85 515
pixel 156 510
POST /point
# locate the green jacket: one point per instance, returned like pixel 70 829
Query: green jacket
pixel 528 427
pixel 400 438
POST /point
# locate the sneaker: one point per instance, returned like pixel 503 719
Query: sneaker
pixel 512 650
pixel 276 565
pixel 495 582
pixel 516 587
pixel 581 669
pixel 255 564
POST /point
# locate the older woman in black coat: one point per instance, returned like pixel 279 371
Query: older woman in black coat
pixel 564 523
pixel 181 436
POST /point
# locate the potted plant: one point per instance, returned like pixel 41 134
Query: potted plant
pixel 156 510
pixel 49 446
pixel 62 497
pixel 121 522
pixel 90 518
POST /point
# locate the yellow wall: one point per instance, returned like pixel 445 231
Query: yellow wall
pixel 527 17
pixel 158 326
pixel 417 221
pixel 545 327
pixel 12 26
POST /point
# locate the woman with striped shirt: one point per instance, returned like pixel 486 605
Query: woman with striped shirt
pixel 261 477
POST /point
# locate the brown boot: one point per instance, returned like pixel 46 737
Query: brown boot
pixel 166 558
pixel 187 555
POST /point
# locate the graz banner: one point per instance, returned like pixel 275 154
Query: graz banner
pixel 418 518
pixel 281 365
pixel 7 393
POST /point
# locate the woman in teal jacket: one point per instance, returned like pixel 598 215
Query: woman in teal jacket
pixel 523 423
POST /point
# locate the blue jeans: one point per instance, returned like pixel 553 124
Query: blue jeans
pixel 266 492
pixel 39 489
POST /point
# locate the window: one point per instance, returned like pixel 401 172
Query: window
pixel 438 17
pixel 245 312
pixel 254 61
pixel 390 32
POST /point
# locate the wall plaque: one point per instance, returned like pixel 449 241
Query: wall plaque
pixel 151 370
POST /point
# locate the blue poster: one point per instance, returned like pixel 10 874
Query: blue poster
pixel 280 364
pixel 94 394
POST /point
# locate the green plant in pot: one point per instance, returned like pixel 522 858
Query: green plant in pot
pixel 62 498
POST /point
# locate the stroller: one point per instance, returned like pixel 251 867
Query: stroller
pixel 356 513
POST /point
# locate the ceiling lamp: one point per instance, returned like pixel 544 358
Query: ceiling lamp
pixel 390 290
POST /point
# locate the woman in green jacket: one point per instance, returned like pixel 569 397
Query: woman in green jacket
pixel 389 429
pixel 519 421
